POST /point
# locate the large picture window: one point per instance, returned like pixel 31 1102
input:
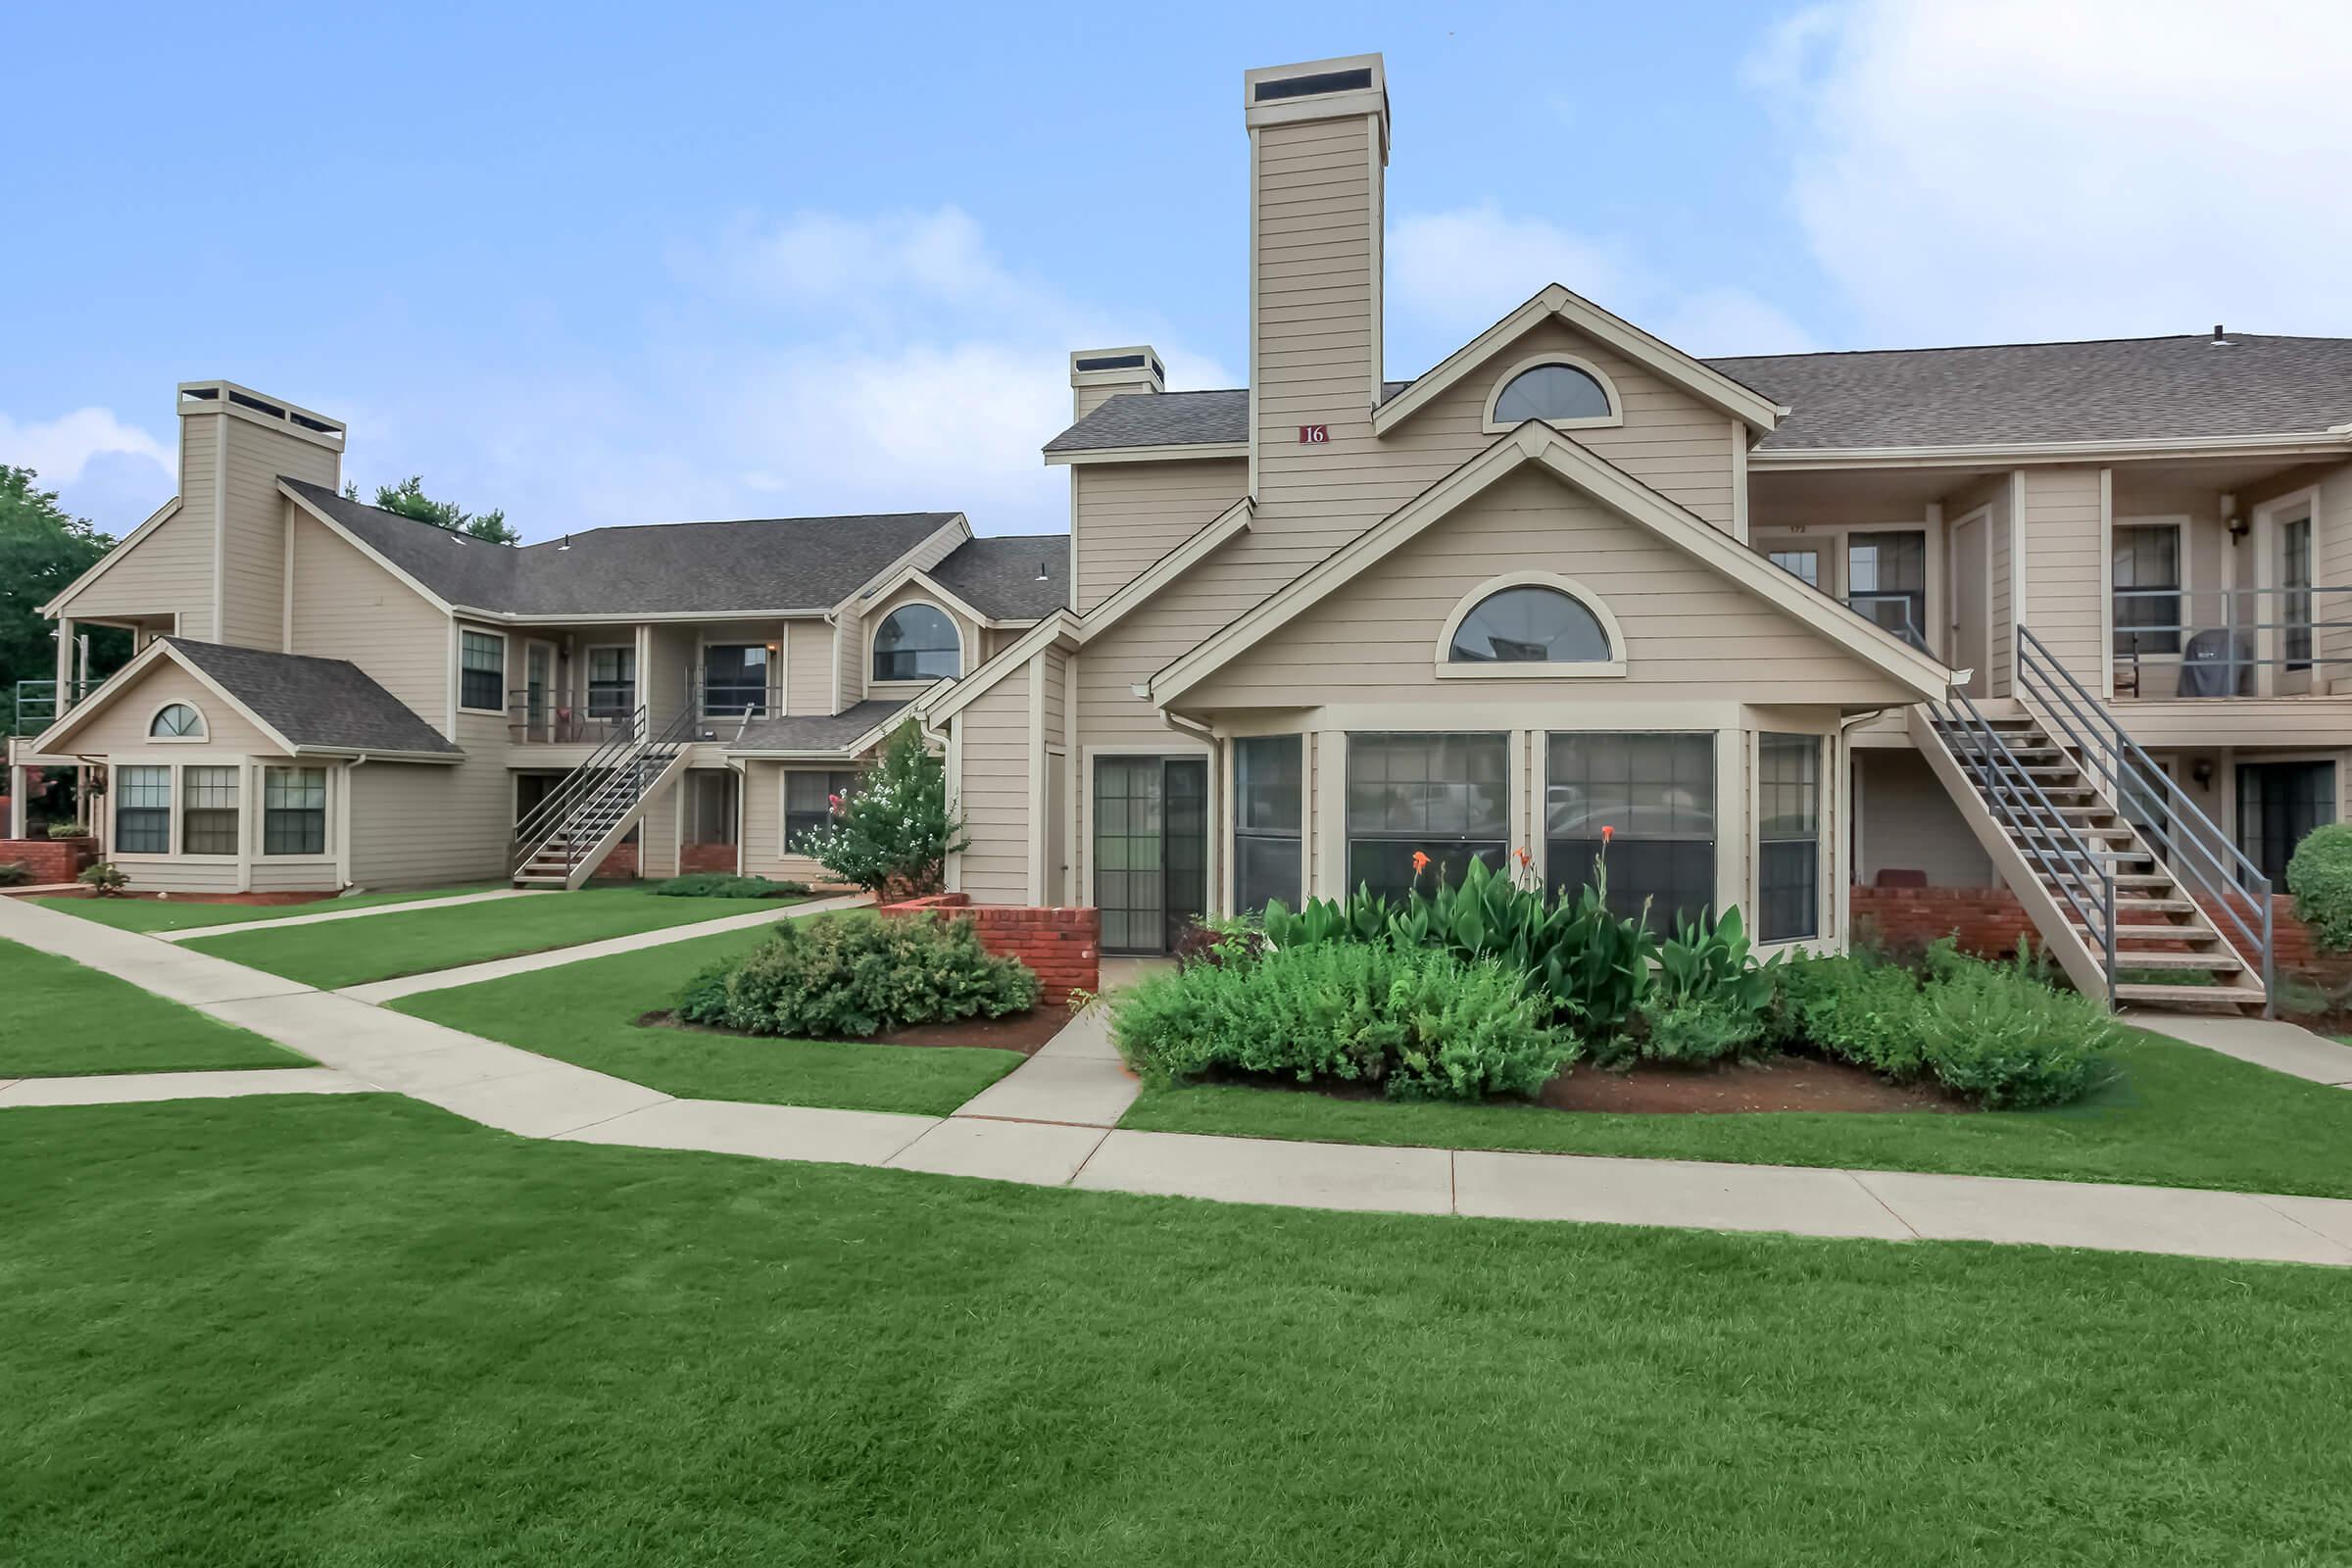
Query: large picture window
pixel 208 812
pixel 482 670
pixel 809 803
pixel 294 810
pixel 1789 837
pixel 142 811
pixel 918 642
pixel 1269 782
pixel 1655 795
pixel 1443 796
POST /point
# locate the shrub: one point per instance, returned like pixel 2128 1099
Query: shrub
pixel 1420 1023
pixel 1863 1012
pixel 1690 1031
pixel 107 878
pixel 15 873
pixel 2320 877
pixel 68 830
pixel 893 830
pixel 848 978
pixel 724 884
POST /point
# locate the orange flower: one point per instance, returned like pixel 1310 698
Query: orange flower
pixel 1420 862
pixel 1607 833
pixel 1524 858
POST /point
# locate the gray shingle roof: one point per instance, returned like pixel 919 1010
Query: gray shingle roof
pixel 816 732
pixel 2021 393
pixel 999 575
pixel 757 564
pixel 315 702
pixel 2119 389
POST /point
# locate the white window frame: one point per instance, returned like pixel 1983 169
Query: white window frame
pixel 1612 669
pixel 2179 522
pixel 180 803
pixel 506 664
pixel 964 662
pixel 1614 419
pixel 588 679
pixel 330 807
pixel 771 682
pixel 113 810
pixel 204 725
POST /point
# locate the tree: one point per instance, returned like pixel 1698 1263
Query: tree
pixel 407 497
pixel 892 832
pixel 42 549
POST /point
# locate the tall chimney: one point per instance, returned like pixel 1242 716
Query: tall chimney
pixel 1318 157
pixel 1096 376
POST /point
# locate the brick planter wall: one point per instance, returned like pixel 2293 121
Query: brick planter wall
pixel 51 861
pixel 693 857
pixel 1062 948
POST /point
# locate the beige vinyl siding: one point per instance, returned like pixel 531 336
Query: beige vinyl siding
pixel 122 727
pixel 414 823
pixel 1129 514
pixel 278 875
pixel 993 744
pixel 168 572
pixel 670 666
pixel 657 832
pixel 2066 567
pixel 849 661
pixel 1691 635
pixel 1992 493
pixel 1906 823
pixel 1053 828
pixel 809 672
pixel 764 827
pixel 254 525
pixel 346 607
pixel 208 874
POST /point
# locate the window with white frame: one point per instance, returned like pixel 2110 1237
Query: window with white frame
pixel 1644 805
pixel 1446 796
pixel 1802 562
pixel 208 811
pixel 1555 393
pixel 1529 624
pixel 482 670
pixel 2146 565
pixel 918 642
pixel 1788 837
pixel 611 682
pixel 142 811
pixel 2294 599
pixel 176 721
pixel 294 810
pixel 1268 800
pixel 809 800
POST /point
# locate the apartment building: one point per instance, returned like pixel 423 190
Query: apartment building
pixel 2060 620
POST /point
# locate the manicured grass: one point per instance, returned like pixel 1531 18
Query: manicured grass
pixel 176 914
pixel 2177 1115
pixel 60 1020
pixel 585 1012
pixel 419 943
pixel 360 1332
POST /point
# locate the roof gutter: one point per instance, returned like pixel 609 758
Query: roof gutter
pixel 358 756
pixel 2320 443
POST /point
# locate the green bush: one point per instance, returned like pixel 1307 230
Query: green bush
pixel 67 830
pixel 893 831
pixel 834 979
pixel 15 873
pixel 2007 1042
pixel 1418 1022
pixel 1689 1031
pixel 2320 877
pixel 724 884
pixel 106 878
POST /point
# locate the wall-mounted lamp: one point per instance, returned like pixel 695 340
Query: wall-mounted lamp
pixel 2238 526
pixel 2201 773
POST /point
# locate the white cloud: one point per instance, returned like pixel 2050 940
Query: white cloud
pixel 58 449
pixel 2024 168
pixel 1452 275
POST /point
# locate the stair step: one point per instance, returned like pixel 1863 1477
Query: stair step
pixel 2217 962
pixel 2190 999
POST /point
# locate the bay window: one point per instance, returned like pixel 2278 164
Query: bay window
pixel 1654 796
pixel 1268 783
pixel 1446 797
pixel 208 812
pixel 1789 837
pixel 142 811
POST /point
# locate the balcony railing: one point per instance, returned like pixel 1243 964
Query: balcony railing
pixel 35 704
pixel 1893 612
pixel 549 719
pixel 2229 642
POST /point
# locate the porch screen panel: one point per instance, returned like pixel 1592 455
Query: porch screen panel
pixel 294 810
pixel 142 811
pixel 208 812
pixel 1269 780
pixel 1445 796
pixel 1656 794
pixel 1789 837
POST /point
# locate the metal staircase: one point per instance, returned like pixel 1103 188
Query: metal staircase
pixel 2132 886
pixel 561 841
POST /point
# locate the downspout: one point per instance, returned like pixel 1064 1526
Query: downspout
pixel 743 803
pixel 343 838
pixel 81 803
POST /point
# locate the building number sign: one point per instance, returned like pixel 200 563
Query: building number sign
pixel 1313 435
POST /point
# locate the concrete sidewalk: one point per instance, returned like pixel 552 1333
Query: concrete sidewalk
pixel 1051 1122
pixel 331 915
pixel 2269 1043
pixel 135 1088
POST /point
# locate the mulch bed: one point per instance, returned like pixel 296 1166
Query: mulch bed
pixel 1023 1032
pixel 1777 1083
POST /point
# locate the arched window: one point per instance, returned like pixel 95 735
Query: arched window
pixel 918 642
pixel 1532 623
pixel 176 721
pixel 1554 391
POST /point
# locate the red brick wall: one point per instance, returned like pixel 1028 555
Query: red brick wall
pixel 50 861
pixel 1989 920
pixel 706 857
pixel 1062 948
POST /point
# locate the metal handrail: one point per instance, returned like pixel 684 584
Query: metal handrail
pixel 36 705
pixel 2006 785
pixel 2127 768
pixel 556 805
pixel 2234 630
pixel 621 783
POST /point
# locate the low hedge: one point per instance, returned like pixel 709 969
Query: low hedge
pixel 1419 1023
pixel 847 978
pixel 724 884
pixel 2320 877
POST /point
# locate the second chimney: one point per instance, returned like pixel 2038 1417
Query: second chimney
pixel 1096 376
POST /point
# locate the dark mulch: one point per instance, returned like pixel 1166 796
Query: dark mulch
pixel 1777 1083
pixel 1023 1032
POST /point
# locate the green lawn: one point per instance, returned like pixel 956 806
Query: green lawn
pixel 359 1331
pixel 2178 1115
pixel 424 940
pixel 62 1021
pixel 584 1012
pixel 175 914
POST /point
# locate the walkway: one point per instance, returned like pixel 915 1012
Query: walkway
pixel 1052 1122
pixel 409 907
pixel 2269 1043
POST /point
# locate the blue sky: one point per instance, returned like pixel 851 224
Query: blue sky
pixel 599 265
